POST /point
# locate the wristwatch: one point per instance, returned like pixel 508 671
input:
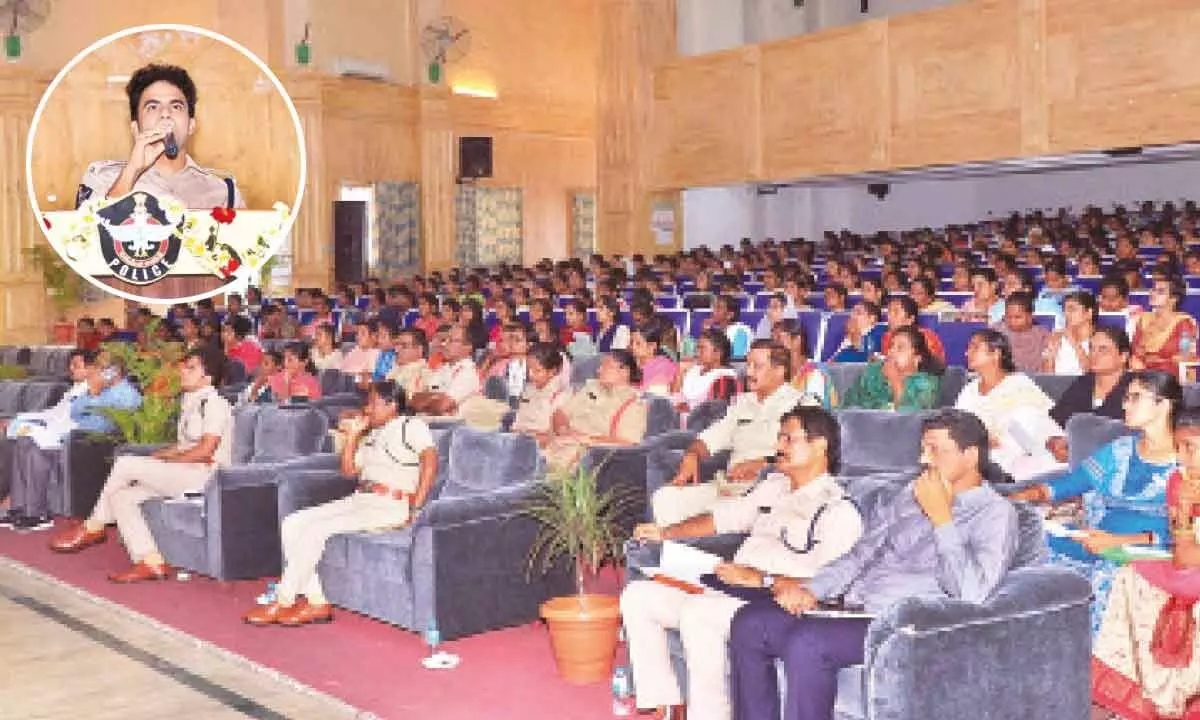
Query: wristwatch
pixel 768 580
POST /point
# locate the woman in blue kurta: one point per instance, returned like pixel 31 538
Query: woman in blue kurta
pixel 1123 486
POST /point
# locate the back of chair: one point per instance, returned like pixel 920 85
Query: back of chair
pixel 1053 385
pixel 12 394
pixel 874 440
pixel 584 369
pixel 953 380
pixel 245 423
pixel 1087 433
pixel 482 461
pixel 661 416
pixel 705 414
pixel 283 432
pixel 41 395
pixel 844 375
pixel 494 388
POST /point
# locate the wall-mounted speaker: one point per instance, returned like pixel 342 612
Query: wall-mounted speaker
pixel 879 190
pixel 474 157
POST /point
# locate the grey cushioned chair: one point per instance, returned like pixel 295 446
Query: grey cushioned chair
pixel 844 375
pixel 879 441
pixel 584 369
pixel 461 565
pixel 933 658
pixel 1086 433
pixel 1053 385
pixel 231 531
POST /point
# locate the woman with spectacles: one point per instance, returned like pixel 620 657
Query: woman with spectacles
pixel 1122 487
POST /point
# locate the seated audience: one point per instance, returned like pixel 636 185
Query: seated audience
pixel 259 389
pixel 1067 349
pixel 360 360
pixel 297 379
pixel 902 312
pixel 657 369
pixel 471 318
pixel 1122 487
pixel 239 346
pixel 808 376
pixel 1027 339
pixel 325 354
pixel 410 365
pixel 923 291
pixel 607 410
pixel 611 335
pixel 1013 408
pixel 709 376
pixel 800 499
pixel 946 535
pixel 427 320
pixel 1056 288
pixel 544 394
pixel 575 323
pixel 1113 299
pixel 1099 391
pixel 1158 339
pixel 385 338
pixel 444 390
pixel 752 418
pixel 985 305
pixel 1144 660
pixel 908 379
pixel 48 426
pixel 777 310
pixel 394 460
pixel 864 335
pixel 204 444
pixel 36 454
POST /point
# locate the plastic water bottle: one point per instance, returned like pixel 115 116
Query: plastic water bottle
pixel 433 637
pixel 1187 345
pixel 622 693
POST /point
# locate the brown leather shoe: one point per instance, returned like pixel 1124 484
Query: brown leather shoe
pixel 671 712
pixel 306 614
pixel 76 539
pixel 265 614
pixel 141 572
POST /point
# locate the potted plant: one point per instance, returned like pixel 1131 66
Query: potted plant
pixel 64 288
pixel 579 524
pixel 155 369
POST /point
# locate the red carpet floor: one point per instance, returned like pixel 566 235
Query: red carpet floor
pixel 370 665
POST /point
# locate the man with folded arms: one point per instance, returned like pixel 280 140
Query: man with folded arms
pixel 394 458
pixel 204 444
pixel 749 430
pixel 798 519
pixel 945 535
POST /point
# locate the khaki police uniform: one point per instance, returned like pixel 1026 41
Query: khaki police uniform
pixel 196 187
pixel 459 380
pixel 792 533
pixel 388 456
pixel 595 411
pixel 135 479
pixel 749 430
pixel 408 375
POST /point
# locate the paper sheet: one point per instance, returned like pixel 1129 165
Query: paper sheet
pixel 683 562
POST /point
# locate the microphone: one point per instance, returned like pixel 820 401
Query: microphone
pixel 170 146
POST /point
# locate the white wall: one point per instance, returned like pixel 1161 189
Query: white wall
pixel 715 216
pixel 705 26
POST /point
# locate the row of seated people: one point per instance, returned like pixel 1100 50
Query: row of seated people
pixel 305 536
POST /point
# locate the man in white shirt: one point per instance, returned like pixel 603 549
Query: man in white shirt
pixel 748 430
pixel 48 426
pixel 798 519
pixel 442 391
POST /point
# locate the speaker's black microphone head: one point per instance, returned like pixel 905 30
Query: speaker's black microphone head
pixel 170 146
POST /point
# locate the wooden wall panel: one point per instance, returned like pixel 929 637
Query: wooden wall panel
pixel 822 101
pixel 974 81
pixel 955 84
pixel 1122 73
pixel 711 144
pixel 242 123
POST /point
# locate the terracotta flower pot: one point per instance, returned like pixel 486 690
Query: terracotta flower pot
pixel 583 634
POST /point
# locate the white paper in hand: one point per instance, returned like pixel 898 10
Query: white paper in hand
pixel 1057 529
pixel 684 562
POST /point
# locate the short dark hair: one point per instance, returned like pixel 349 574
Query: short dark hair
pixel 965 429
pixel 626 359
pixel 391 391
pixel 1164 385
pixel 240 325
pixel 211 359
pixel 1117 335
pixel 927 362
pixel 1116 282
pixel 907 304
pixel 779 356
pixel 146 76
pixel 547 356
pixel 721 342
pixel 820 423
pixel 89 356
pixel 1188 418
pixel 998 342
pixel 418 337
pixel 1020 299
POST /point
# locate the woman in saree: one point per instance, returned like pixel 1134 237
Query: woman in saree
pixel 1156 341
pixel 1144 660
pixel 908 379
pixel 1122 487
pixel 808 376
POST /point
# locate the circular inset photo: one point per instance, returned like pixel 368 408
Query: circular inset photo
pixel 166 163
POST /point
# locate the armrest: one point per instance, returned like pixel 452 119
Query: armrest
pixel 1039 618
pixel 623 468
pixel 639 555
pixel 501 502
pixel 307 488
pixel 140 449
pixel 1042 478
pixel 673 440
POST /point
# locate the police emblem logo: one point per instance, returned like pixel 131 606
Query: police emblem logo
pixel 138 241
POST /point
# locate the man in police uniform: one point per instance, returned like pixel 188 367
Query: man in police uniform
pixel 443 391
pixel 204 444
pixel 411 347
pixel 798 519
pixel 395 460
pixel 747 431
pixel 162 112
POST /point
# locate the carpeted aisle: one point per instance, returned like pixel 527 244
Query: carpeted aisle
pixel 370 665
